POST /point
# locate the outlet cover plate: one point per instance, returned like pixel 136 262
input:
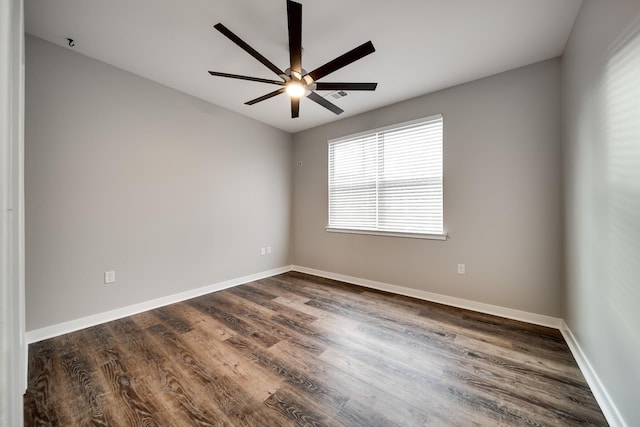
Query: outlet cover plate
pixel 109 276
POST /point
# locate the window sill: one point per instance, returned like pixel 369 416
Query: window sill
pixel 389 234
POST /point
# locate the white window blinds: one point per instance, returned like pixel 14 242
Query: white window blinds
pixel 389 180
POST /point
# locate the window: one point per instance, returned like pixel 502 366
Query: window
pixel 388 181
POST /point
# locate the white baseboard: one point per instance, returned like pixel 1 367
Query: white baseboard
pixel 95 319
pixel 107 316
pixel 609 409
pixel 509 313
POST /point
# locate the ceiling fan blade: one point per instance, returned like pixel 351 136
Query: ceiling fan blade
pixel 251 79
pixel 346 86
pixel 251 51
pixel 326 104
pixel 294 18
pixel 267 96
pixel 295 107
pixel 342 61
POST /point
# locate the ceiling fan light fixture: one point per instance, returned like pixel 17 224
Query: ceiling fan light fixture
pixel 295 89
pixel 296 82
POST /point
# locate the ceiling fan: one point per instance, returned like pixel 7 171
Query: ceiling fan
pixel 296 82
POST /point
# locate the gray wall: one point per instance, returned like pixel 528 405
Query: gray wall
pixel 601 91
pixel 502 196
pixel 124 174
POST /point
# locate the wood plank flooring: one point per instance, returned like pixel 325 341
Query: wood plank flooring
pixel 301 350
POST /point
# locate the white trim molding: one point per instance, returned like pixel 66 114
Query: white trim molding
pixel 609 409
pixel 509 313
pixel 443 236
pixel 95 319
pixel 107 316
pixel 13 348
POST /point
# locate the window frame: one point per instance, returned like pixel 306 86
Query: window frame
pixel 414 235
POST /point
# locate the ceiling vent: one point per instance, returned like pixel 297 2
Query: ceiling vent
pixel 337 94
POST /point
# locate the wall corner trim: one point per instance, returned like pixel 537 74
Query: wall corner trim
pixel 609 409
pixel 509 313
pixel 107 316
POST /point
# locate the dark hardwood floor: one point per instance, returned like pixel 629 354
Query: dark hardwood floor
pixel 301 350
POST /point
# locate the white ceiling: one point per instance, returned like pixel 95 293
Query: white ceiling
pixel 421 45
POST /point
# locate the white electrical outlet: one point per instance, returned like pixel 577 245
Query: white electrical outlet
pixel 263 251
pixel 268 250
pixel 109 276
pixel 462 269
